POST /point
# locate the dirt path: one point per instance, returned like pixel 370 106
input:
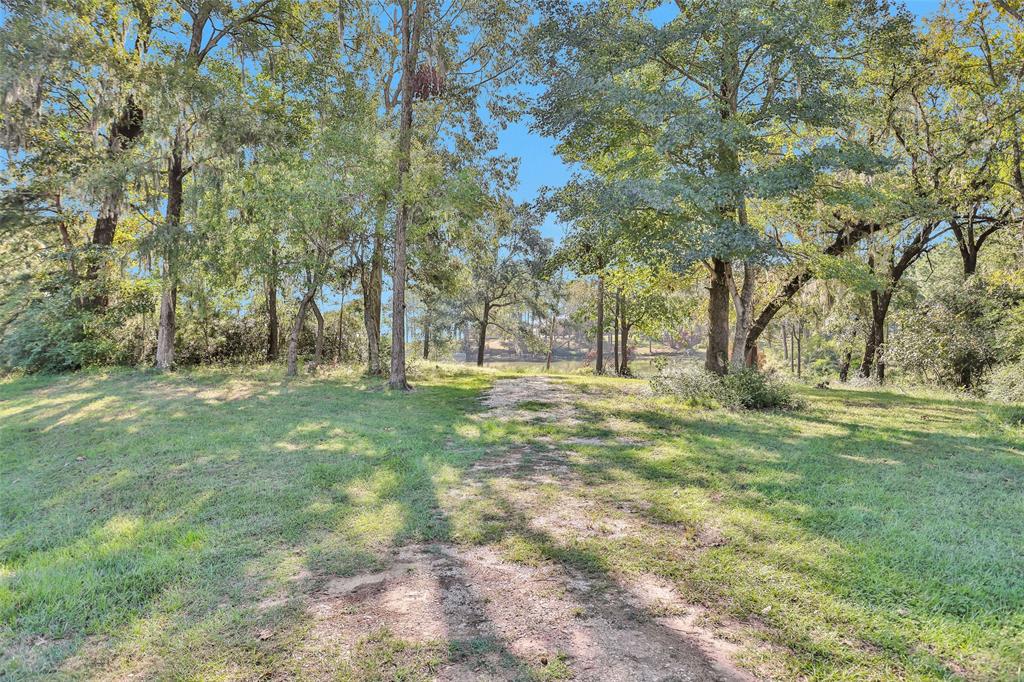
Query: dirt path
pixel 472 613
pixel 530 398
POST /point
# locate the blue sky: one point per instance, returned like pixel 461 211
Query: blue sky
pixel 540 166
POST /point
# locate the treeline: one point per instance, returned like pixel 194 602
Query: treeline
pixel 841 176
pixel 191 182
pixel 835 187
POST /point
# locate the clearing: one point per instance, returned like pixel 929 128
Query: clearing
pixel 228 524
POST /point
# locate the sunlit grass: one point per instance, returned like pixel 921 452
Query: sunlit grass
pixel 147 510
pixel 144 519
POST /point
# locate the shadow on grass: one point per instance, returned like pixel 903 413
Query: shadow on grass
pixel 897 518
pixel 145 518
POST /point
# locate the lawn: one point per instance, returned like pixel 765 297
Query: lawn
pixel 189 526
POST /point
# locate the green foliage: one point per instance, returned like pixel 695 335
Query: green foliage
pixel 678 123
pixel 949 338
pixel 55 333
pixel 751 389
pixel 740 389
pixel 1006 383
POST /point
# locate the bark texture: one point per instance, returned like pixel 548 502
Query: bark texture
pixel 273 347
pixel 169 297
pixel 743 301
pixel 293 338
pixel 481 346
pixel 318 353
pixel 717 356
pixel 412 21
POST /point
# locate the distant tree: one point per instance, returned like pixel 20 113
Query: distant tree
pixel 646 302
pixel 505 260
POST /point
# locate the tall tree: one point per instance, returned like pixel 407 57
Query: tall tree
pixel 683 117
pixel 203 28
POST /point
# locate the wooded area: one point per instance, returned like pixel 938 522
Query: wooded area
pixel 306 374
pixel 186 184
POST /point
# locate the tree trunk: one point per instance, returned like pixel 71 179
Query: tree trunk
pixel 410 53
pixel 293 338
pixel 717 357
pixel 624 367
pixel 551 341
pixel 169 298
pixel 970 261
pixel 800 350
pixel 850 235
pixel 844 369
pixel 880 352
pixel 599 360
pixel 615 328
pixel 426 335
pixel 482 344
pixel 165 333
pixel 372 284
pixel 872 364
pixel 785 342
pixel 318 354
pixel 792 349
pixel 125 130
pixel 466 337
pixel 339 347
pixel 272 322
pixel 743 301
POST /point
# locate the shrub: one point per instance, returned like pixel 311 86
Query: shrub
pixel 689 383
pixel 750 389
pixel 53 333
pixel 741 389
pixel 953 337
pixel 1006 383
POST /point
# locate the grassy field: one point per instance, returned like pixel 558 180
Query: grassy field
pixel 180 526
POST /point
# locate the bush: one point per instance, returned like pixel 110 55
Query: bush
pixel 952 338
pixel 741 389
pixel 1006 383
pixel 751 389
pixel 53 333
pixel 689 383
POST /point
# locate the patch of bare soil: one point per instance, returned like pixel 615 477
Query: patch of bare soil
pixel 498 619
pixel 511 619
pixel 532 398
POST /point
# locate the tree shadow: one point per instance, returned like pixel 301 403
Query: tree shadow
pixel 871 511
pixel 206 511
pixel 154 513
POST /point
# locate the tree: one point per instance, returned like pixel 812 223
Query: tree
pixel 505 259
pixel 682 118
pixel 646 303
pixel 469 57
pixel 186 109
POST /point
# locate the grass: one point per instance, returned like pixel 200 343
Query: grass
pixel 872 535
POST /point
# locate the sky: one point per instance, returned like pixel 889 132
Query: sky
pixel 540 166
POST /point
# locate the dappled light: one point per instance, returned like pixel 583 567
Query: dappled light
pixel 457 340
pixel 852 527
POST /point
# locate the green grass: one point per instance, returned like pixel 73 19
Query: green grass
pixel 872 535
pixel 143 515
